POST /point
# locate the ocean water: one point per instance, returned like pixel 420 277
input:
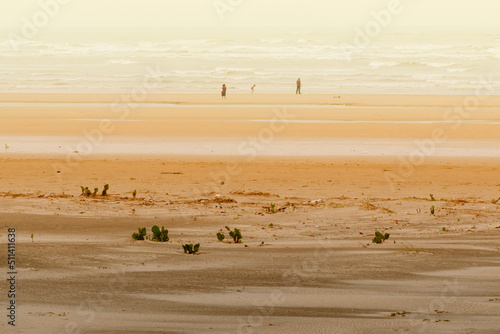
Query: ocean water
pixel 200 61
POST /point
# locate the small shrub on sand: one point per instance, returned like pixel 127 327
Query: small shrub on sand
pixel 190 249
pixel 380 238
pixel 272 208
pixel 220 236
pixel 159 235
pixel 140 235
pixel 86 191
pixel 105 190
pixel 235 234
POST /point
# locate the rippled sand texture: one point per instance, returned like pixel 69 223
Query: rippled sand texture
pixel 308 185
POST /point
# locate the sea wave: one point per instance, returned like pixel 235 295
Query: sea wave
pixel 273 63
pixel 120 61
pixel 375 64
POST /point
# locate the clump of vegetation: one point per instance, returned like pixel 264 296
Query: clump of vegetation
pixel 139 235
pixel 220 236
pixel 105 190
pixel 134 193
pixel 272 208
pixel 86 191
pixel 432 210
pixel 190 249
pixel 380 238
pixel 236 234
pixel 432 197
pixel 443 229
pixel 159 235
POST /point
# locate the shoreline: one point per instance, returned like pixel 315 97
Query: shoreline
pixel 188 98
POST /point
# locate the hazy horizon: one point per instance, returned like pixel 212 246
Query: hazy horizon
pixel 336 46
pixel 457 14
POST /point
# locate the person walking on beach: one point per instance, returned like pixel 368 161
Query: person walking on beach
pixel 298 87
pixel 253 88
pixel 223 93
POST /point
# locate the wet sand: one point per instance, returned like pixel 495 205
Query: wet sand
pixel 306 263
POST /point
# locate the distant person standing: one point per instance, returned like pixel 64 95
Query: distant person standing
pixel 298 87
pixel 253 88
pixel 224 89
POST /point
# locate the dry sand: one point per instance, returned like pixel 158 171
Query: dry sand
pixel 309 267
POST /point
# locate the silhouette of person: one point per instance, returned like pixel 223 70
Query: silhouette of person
pixel 224 89
pixel 298 87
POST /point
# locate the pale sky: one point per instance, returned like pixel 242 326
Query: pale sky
pixel 191 13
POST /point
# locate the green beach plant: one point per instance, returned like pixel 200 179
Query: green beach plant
pixel 236 234
pixel 221 236
pixel 159 235
pixel 380 238
pixel 271 209
pixel 139 235
pixel 105 190
pixel 190 248
pixel 432 210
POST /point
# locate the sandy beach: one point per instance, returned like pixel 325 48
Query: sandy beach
pixel 307 179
